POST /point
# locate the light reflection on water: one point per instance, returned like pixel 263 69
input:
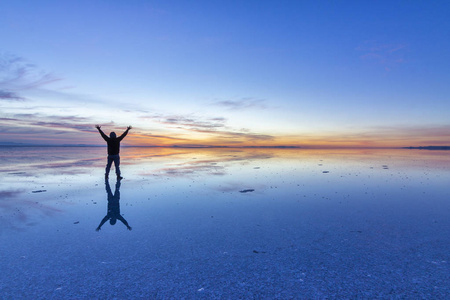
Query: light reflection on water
pixel 313 223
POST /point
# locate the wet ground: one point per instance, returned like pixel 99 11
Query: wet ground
pixel 223 223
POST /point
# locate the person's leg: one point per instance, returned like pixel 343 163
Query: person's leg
pixel 117 164
pixel 108 166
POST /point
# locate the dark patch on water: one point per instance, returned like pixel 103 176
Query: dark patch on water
pixel 39 191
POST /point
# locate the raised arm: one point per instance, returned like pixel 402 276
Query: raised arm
pixel 125 133
pixel 104 136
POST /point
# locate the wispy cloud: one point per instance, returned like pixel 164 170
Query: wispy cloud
pixel 243 103
pixel 42 128
pixel 195 130
pixel 193 123
pixel 39 128
pixel 142 138
pixel 51 121
pixel 385 54
pixel 8 95
pixel 381 136
pixel 419 135
pixel 242 136
pixel 17 75
pixel 215 127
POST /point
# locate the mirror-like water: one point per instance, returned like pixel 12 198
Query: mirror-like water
pixel 224 223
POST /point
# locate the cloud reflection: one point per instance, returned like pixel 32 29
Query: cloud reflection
pixel 217 165
pixel 18 209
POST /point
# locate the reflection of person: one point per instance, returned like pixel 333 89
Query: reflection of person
pixel 113 213
pixel 113 150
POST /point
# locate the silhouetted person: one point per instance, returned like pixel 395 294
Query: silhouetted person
pixel 113 213
pixel 113 150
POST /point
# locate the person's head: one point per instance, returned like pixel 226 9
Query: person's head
pixel 112 135
pixel 112 221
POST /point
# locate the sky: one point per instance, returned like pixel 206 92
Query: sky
pixel 229 73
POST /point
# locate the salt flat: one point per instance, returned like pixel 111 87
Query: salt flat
pixel 310 224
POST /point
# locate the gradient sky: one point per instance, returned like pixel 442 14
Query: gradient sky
pixel 317 73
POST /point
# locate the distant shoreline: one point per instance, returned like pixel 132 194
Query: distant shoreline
pixel 224 147
pixel 196 147
pixel 429 148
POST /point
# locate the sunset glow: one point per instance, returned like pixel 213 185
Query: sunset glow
pixel 303 74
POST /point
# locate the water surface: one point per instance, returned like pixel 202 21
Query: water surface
pixel 225 223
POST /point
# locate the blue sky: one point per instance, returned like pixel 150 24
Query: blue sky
pixel 329 73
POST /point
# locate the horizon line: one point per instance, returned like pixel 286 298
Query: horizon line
pixel 233 147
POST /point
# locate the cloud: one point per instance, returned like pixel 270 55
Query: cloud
pixel 244 103
pixel 422 135
pixel 42 128
pixel 194 123
pixel 39 128
pixel 140 138
pixel 54 122
pixel 17 75
pixel 212 126
pixel 241 135
pixel 379 136
pixel 157 136
pixel 7 95
pixel 386 54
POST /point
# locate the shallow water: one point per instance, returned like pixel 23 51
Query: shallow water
pixel 224 223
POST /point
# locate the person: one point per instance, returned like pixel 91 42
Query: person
pixel 113 213
pixel 113 150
